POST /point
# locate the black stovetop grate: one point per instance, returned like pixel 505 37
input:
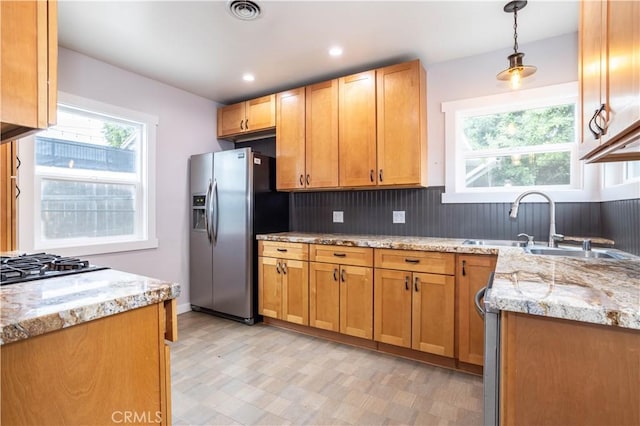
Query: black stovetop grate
pixel 28 267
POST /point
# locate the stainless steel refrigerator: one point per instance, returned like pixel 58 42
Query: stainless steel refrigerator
pixel 233 198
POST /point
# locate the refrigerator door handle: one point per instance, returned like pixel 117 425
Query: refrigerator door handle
pixel 207 212
pixel 214 197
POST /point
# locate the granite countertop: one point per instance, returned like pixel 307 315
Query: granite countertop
pixel 37 307
pixel 599 291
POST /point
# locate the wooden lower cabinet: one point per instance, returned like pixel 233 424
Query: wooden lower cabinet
pixel 95 372
pixel 472 273
pixel 415 310
pixel 269 287
pixel 283 288
pixel 341 298
pixel 561 372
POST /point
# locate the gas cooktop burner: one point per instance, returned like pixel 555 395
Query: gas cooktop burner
pixel 28 267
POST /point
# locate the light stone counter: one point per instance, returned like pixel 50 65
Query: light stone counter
pixel 599 291
pixel 37 307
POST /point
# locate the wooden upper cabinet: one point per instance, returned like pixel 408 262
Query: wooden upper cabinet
pixel 28 67
pixel 253 117
pixel 322 135
pixel 402 125
pixel 357 124
pixel 290 139
pixel 610 80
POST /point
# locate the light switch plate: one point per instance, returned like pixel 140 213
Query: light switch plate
pixel 398 216
pixel 338 217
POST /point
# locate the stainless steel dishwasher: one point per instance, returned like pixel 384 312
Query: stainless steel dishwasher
pixel 491 375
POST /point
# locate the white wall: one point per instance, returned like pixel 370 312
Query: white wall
pixel 186 126
pixel 557 62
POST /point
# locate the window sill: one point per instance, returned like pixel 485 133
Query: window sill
pixel 93 249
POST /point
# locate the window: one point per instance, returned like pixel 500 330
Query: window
pixel 92 180
pixel 501 145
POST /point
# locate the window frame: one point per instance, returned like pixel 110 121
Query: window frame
pixel 29 203
pixel 580 186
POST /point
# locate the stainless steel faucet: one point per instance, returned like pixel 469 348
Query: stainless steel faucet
pixel 553 237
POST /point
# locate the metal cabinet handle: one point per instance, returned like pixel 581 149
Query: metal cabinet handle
pixel 282 250
pixel 278 267
pixel 371 175
pixel 308 179
pixel 406 282
pixel 342 277
pixel 602 130
pixel 284 268
pixel 301 180
pixel 464 271
pixel 19 162
pixel 412 260
pixel 380 175
pixel 415 283
pixel 340 254
pixel 17 191
pixel 478 297
pixel 335 274
pixel 246 124
pixel 595 133
pixel 241 124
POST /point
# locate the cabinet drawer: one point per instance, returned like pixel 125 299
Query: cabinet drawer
pixel 295 251
pixel 357 256
pixel 413 260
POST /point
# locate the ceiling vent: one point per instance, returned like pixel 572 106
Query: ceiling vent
pixel 245 10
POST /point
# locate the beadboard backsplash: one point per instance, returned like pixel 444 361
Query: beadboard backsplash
pixel 371 212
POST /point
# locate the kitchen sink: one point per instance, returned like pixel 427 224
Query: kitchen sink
pixel 507 243
pixel 587 254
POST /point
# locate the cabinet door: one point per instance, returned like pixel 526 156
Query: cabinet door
pixel 269 287
pixel 357 129
pixel 623 64
pixel 472 274
pixel 433 312
pixel 356 301
pixel 295 291
pixel 231 119
pixel 392 307
pixel 290 139
pixel 322 135
pixel 402 131
pixel 28 66
pixel 7 197
pixel 592 66
pixel 260 113
pixel 324 296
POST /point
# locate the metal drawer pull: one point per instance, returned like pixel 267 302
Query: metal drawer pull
pixel 335 275
pixel 412 260
pixel 342 277
pixel 282 250
pixel 406 282
pixel 415 283
pixel 479 296
pixel 339 254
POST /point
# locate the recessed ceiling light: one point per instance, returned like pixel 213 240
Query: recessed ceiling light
pixel 335 51
pixel 248 77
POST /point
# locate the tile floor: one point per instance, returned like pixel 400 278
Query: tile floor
pixel 226 373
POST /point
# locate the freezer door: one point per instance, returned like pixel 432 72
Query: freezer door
pixel 232 222
pixel 200 248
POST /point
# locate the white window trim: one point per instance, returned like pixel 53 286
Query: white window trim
pixel 29 210
pixel 585 181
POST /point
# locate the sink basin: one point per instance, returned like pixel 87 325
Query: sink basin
pixel 587 254
pixel 507 243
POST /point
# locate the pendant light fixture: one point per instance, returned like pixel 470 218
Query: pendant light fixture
pixel 516 71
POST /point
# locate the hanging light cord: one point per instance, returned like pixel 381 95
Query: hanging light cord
pixel 515 30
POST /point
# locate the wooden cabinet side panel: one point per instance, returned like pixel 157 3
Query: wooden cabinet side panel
pixel 269 287
pixel 357 130
pixel 392 307
pixel 322 134
pixel 324 296
pixel 7 197
pixel 400 119
pixel 231 119
pixel 356 301
pixel 295 291
pixel 433 313
pixel 477 269
pixel 85 373
pixel 260 113
pixel 52 50
pixel 19 62
pixel 290 139
pixel 582 374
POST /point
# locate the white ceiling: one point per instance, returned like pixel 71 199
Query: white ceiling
pixel 199 47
